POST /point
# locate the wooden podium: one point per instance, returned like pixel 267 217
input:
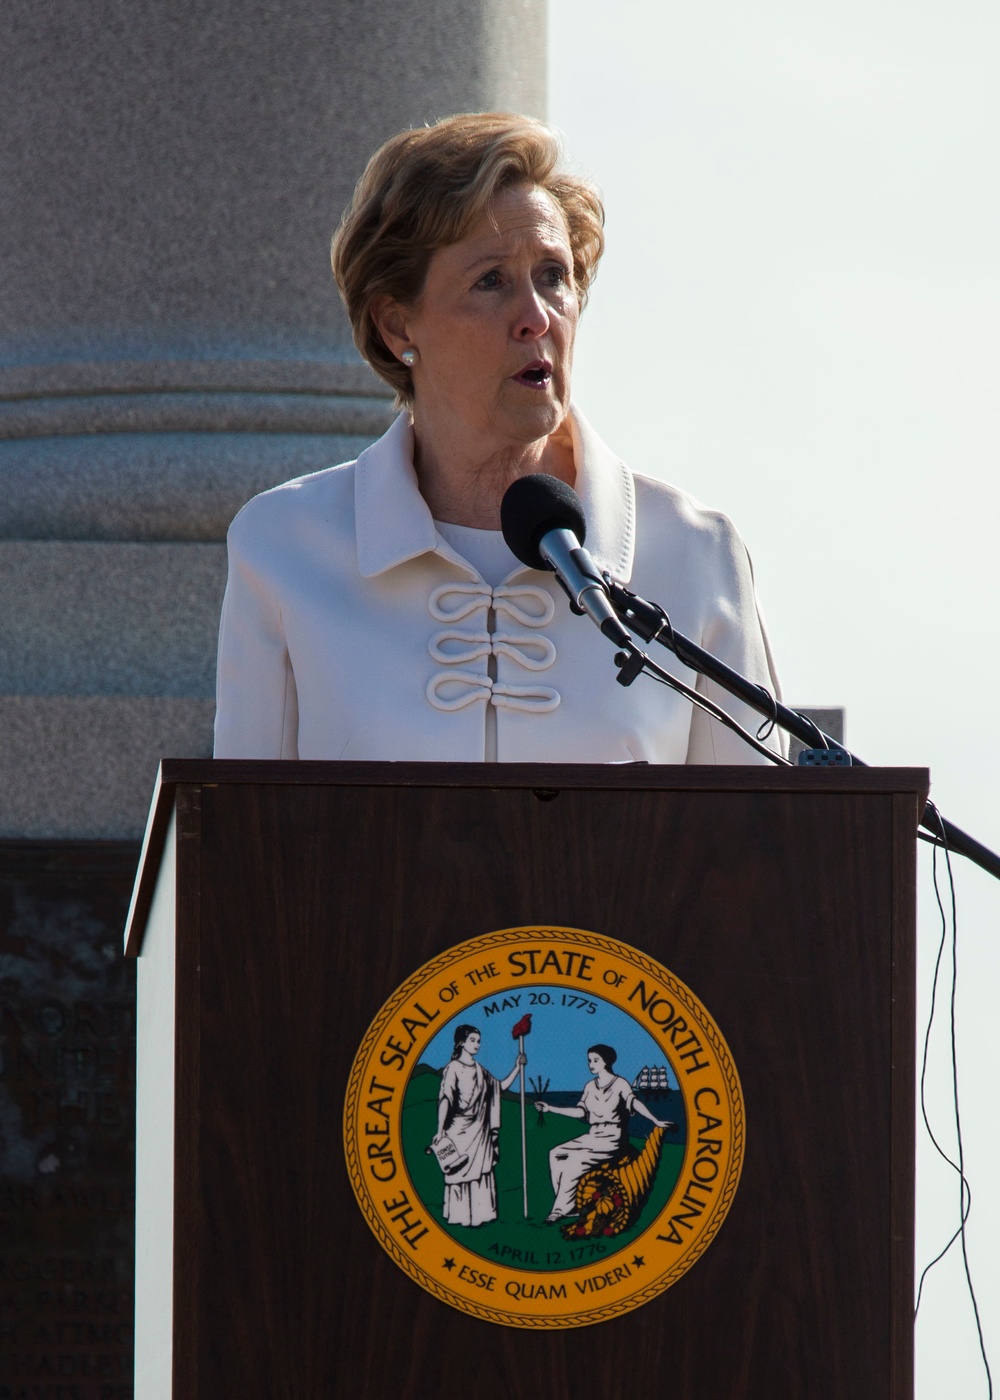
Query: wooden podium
pixel 278 905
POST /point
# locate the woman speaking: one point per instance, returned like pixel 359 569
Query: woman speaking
pixel 373 610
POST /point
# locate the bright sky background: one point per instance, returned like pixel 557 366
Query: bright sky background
pixel 798 320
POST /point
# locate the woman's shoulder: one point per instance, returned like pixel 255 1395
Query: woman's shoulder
pixel 683 543
pixel 320 498
pixel 316 495
pixel 671 504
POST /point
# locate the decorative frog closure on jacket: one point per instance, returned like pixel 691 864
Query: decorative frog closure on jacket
pixel 524 605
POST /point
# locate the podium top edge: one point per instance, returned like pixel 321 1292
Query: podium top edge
pixel 607 776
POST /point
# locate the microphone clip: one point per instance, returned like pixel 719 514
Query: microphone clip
pixel 630 664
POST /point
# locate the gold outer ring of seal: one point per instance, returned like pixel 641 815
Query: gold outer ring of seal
pixel 620 975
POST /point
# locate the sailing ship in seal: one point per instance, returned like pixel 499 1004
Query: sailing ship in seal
pixel 653 1081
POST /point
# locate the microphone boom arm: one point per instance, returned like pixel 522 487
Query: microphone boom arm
pixel 650 622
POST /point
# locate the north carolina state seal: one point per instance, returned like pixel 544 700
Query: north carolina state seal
pixel 544 1127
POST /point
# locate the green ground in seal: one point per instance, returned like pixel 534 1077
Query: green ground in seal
pixel 510 1239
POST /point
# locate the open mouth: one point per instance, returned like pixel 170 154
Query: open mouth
pixel 537 375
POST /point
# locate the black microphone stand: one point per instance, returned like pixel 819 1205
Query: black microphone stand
pixel 650 622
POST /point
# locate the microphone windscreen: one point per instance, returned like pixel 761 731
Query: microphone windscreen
pixel 531 507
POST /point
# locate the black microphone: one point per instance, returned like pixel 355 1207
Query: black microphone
pixel 544 526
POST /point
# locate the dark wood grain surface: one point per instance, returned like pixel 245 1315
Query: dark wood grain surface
pixel 786 906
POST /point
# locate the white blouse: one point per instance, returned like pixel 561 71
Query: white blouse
pixel 351 629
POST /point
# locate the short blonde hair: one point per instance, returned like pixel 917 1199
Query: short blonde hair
pixel 424 190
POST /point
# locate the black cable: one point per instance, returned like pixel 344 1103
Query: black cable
pixel 710 708
pixel 937 843
pixel 766 728
pixel 965 1190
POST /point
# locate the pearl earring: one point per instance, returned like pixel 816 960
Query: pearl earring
pixel 409 358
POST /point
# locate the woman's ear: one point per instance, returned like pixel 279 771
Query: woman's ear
pixel 390 322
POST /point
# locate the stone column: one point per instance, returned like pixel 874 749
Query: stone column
pixel 171 340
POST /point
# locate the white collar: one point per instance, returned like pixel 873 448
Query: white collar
pixel 394 522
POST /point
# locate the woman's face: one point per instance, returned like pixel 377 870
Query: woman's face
pixel 494 327
pixel 472 1042
pixel 595 1062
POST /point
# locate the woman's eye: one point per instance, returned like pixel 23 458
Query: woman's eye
pixel 489 282
pixel 555 276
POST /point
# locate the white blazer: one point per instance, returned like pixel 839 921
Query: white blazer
pixel 351 630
